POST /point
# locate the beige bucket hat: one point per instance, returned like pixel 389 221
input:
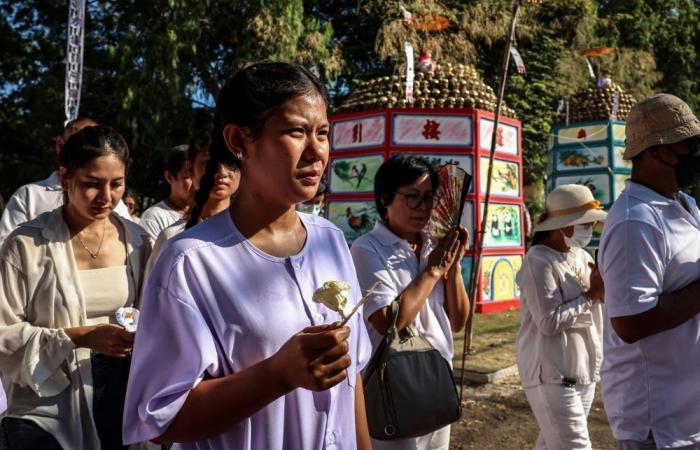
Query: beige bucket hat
pixel 657 120
pixel 570 204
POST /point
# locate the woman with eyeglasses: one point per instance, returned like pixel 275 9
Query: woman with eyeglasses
pixel 424 275
pixel 559 345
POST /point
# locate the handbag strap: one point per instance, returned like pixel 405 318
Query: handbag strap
pixel 393 318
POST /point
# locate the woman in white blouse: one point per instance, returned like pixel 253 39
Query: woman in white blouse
pixel 424 275
pixel 63 357
pixel 559 344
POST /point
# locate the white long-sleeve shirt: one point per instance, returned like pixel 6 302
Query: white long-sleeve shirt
pixel 560 330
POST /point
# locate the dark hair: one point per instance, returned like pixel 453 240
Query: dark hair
pixel 248 99
pixel 539 237
pixel 398 171
pixel 90 143
pixel 199 144
pixel 176 158
pixel 129 192
pixel 70 125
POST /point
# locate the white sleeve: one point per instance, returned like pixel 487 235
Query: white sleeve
pixel 14 214
pixel 123 211
pixel 173 350
pixel 551 313
pixel 29 355
pixel 632 267
pixel 371 268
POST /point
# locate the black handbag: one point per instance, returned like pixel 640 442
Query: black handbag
pixel 409 387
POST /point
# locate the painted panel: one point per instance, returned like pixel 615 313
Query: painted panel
pixel 621 163
pixel 620 183
pixel 467 263
pixel 505 179
pixel 355 174
pixel 466 162
pixel 577 158
pixel 359 133
pixel 581 134
pixel 467 221
pixel 355 218
pixel 498 277
pixel 599 184
pixel 432 130
pixel 506 137
pixel 503 226
pixel 618 131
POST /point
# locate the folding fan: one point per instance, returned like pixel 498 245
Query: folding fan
pixel 447 211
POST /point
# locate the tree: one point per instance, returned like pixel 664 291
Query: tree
pixel 151 70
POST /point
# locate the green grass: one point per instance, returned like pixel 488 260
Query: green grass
pixel 493 342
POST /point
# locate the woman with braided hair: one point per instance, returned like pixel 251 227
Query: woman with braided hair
pixel 231 350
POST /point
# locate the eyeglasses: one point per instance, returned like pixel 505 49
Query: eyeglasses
pixel 415 201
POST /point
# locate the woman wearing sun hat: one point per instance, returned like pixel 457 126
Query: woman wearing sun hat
pixel 559 344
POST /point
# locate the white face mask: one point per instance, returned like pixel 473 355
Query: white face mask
pixel 310 208
pixel 581 238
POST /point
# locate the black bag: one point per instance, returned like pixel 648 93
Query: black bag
pixel 409 387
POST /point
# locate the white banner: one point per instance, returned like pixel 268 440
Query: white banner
pixel 408 48
pixel 74 58
pixel 616 106
pixel 591 72
pixel 519 64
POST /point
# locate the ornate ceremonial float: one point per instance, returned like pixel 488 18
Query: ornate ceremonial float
pixel 588 149
pixel 375 124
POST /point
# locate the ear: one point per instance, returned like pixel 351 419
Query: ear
pixel 59 143
pixel 568 231
pixel 236 138
pixel 169 177
pixel 63 177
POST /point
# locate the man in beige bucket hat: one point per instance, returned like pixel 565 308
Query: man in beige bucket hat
pixel 650 262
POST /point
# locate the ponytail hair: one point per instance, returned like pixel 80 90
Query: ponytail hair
pixel 248 99
pixel 207 183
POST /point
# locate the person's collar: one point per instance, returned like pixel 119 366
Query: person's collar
pixel 645 194
pixel 53 182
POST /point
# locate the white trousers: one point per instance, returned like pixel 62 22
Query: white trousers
pixel 437 440
pixel 562 415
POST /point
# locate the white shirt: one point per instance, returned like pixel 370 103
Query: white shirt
pixel 34 199
pixel 48 380
pixel 650 246
pixel 159 217
pixel 560 331
pixel 382 256
pixel 174 229
pixel 216 304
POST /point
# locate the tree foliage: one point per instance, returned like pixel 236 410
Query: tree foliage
pixel 152 69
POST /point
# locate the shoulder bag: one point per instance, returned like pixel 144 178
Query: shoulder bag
pixel 409 387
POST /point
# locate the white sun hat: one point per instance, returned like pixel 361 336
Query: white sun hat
pixel 570 204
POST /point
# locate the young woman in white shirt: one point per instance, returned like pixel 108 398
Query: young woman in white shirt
pixel 424 275
pixel 63 354
pixel 559 345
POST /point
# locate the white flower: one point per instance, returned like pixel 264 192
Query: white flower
pixel 333 295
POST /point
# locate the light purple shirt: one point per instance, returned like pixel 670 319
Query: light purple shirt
pixel 3 399
pixel 215 304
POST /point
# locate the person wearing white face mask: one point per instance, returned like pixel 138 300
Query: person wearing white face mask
pixel 559 344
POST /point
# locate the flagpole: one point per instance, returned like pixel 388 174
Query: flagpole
pixel 476 266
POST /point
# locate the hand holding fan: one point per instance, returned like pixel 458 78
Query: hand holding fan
pixel 452 192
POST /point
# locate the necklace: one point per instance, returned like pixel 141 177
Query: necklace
pixel 573 267
pixel 99 247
